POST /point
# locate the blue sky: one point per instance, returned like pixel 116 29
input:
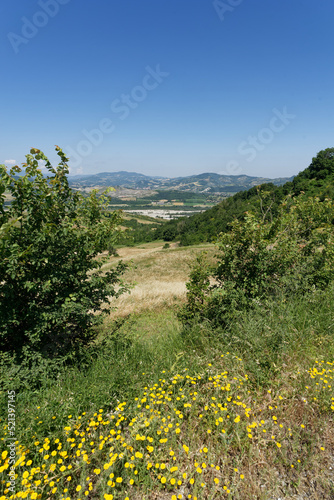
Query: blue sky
pixel 168 87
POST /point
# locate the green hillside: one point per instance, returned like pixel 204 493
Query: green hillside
pixel 201 183
pixel 315 180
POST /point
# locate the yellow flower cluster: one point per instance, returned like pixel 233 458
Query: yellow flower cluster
pixel 179 435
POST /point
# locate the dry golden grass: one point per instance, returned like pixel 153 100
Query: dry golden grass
pixel 158 276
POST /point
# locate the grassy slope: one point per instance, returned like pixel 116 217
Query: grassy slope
pixel 210 395
pixel 158 276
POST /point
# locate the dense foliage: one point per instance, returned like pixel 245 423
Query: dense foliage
pixel 137 232
pixel 52 289
pixel 260 259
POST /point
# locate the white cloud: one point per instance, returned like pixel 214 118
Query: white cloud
pixel 10 162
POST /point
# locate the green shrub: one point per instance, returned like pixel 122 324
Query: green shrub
pixel 52 289
pixel 260 260
pixel 197 290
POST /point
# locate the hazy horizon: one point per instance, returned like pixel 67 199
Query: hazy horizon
pixel 166 177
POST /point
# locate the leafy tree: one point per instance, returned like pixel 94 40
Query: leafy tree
pixel 259 260
pixel 52 288
pixel 322 165
pixel 169 233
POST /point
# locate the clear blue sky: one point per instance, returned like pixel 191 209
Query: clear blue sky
pixel 168 87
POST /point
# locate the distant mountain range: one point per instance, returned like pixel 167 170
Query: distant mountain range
pixel 202 183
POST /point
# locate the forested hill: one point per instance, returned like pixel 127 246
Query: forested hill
pixel 202 183
pixel 315 180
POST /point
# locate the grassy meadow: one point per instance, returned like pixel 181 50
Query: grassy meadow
pixel 158 411
pixel 158 275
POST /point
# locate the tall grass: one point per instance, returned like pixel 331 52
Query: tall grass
pixel 283 333
pixel 276 361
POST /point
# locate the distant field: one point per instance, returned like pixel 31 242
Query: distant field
pixel 166 213
pixel 162 204
pixel 142 219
